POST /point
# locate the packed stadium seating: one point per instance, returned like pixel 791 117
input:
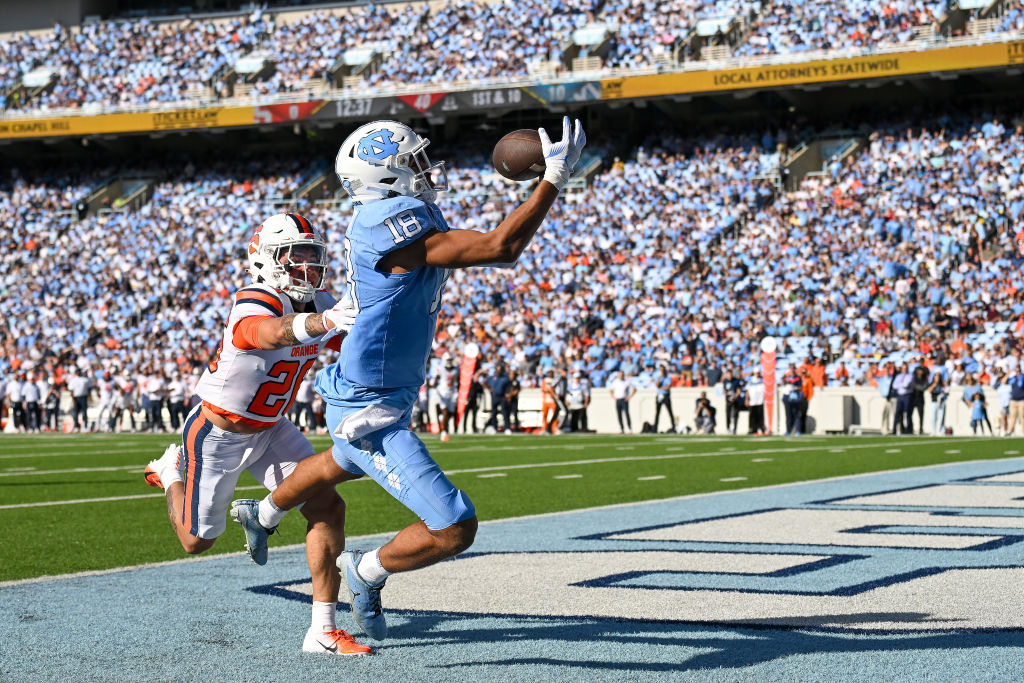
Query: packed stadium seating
pixel 131 62
pixel 872 260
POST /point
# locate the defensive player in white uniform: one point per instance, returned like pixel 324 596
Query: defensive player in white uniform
pixel 447 394
pixel 400 252
pixel 274 334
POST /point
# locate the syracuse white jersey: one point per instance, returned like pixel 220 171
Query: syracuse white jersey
pixel 257 386
pixel 448 383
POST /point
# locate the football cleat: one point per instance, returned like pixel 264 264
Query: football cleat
pixel 170 459
pixel 363 597
pixel 335 642
pixel 247 513
pixel 444 436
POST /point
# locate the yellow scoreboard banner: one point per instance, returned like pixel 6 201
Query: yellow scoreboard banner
pixel 818 71
pixel 136 122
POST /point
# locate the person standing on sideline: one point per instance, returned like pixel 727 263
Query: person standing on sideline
pixel 902 386
pixel 621 389
pixel 274 333
pixel 499 384
pixel 1016 382
pixel 577 400
pixel 16 403
pixel 755 405
pixel 1004 393
pixel 663 399
pixel 939 390
pixel 512 398
pixel 885 388
pixel 80 387
pixel 732 387
pixel 176 392
pixel 31 397
pixel 919 386
pixel 302 410
pixel 548 403
pixel 473 398
pixel 401 252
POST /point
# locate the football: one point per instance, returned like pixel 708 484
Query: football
pixel 519 155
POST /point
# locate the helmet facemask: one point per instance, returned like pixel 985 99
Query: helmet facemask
pixel 292 259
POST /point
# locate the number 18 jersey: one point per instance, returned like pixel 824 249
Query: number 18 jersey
pixel 384 356
pixel 257 386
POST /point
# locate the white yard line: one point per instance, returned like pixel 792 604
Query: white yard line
pixel 474 470
pixel 81 453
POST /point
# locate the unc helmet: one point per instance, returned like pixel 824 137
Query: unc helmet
pixel 386 159
pixel 271 255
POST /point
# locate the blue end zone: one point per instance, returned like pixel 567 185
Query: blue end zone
pixel 223 618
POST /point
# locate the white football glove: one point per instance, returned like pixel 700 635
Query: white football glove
pixel 561 156
pixel 342 317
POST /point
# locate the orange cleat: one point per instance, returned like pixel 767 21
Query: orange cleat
pixel 335 642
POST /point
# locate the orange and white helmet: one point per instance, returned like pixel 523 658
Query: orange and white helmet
pixel 284 245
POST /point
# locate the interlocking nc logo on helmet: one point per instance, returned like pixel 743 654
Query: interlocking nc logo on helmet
pixel 377 146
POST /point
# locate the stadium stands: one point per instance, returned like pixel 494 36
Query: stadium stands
pixel 683 255
pixel 124 63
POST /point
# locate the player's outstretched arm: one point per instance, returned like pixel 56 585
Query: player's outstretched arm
pixel 504 244
pixel 299 328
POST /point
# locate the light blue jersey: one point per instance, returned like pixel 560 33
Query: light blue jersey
pixel 384 357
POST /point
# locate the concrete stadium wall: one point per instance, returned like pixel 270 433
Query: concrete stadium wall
pixel 832 409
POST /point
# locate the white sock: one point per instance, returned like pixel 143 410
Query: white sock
pixel 370 568
pixel 270 515
pixel 323 616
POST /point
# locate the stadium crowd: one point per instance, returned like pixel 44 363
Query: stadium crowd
pixel 127 62
pixel 874 264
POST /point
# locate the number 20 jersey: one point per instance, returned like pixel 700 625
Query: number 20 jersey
pixel 257 386
pixel 384 357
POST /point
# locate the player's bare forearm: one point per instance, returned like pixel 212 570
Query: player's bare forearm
pixel 277 333
pixel 504 244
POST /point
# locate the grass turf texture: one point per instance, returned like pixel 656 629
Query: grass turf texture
pixel 506 476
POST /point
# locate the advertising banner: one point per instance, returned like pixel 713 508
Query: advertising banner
pixel 955 58
pixel 135 122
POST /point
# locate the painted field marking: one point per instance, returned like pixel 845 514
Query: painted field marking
pixel 1011 452
pixel 80 452
pixel 18 469
pixel 952 451
pixel 733 479
pixel 837 450
pixel 564 463
pixel 761 459
pixel 568 476
pixel 651 478
pixel 491 475
pixel 893 450
pixel 50 503
pixel 73 470
pixel 624 448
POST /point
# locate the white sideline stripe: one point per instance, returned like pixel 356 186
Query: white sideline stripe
pixel 75 470
pixel 497 468
pixel 542 515
pixel 651 478
pixel 48 503
pixel 71 454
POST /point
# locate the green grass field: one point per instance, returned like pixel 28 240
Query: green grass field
pixel 72 503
